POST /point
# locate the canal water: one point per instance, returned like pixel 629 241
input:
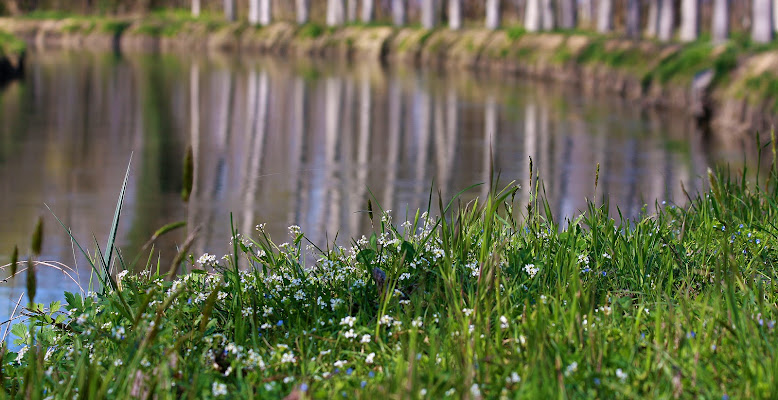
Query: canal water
pixel 307 143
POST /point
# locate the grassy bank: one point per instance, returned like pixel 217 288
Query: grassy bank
pixel 10 44
pixel 742 95
pixel 497 299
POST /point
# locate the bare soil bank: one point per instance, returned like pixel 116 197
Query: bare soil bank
pixel 732 92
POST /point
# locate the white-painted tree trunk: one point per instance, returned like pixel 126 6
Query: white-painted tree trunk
pixel 351 10
pixel 429 14
pixel 568 13
pixel 652 22
pixel 336 10
pixel 196 8
pixel 666 20
pixel 399 12
pixel 587 12
pixel 254 12
pixel 229 10
pixel 303 11
pixel 368 11
pixel 720 23
pixel 492 14
pixel 265 12
pixel 762 21
pixel 633 19
pixel 605 16
pixel 690 20
pixel 547 15
pixel 532 16
pixel 455 14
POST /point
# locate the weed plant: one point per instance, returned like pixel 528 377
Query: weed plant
pixel 489 299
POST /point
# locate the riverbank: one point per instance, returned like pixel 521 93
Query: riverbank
pixel 731 87
pixel 11 57
pixel 495 300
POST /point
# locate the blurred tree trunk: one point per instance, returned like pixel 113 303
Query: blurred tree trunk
pixel 492 14
pixel 429 14
pixel 455 14
pixel 368 11
pixel 303 11
pixel 195 7
pixel 690 20
pixel 762 25
pixel 720 24
pixel 652 23
pixel 351 10
pixel 265 12
pixel 229 10
pixel 633 19
pixel 399 14
pixel 605 16
pixel 586 13
pixel 532 16
pixel 254 12
pixel 336 10
pixel 568 11
pixel 666 20
pixel 547 13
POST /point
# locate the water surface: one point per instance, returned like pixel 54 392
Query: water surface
pixel 281 142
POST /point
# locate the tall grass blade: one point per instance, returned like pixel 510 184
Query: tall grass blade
pixel 115 224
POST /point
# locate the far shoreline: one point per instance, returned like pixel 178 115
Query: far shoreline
pixel 726 87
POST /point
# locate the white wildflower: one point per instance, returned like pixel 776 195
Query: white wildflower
pixel 219 389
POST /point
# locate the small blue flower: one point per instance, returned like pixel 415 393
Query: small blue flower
pixel 280 322
pixel 725 397
pixel 604 273
pixel 691 335
pixel 371 374
pixel 304 387
pixel 363 384
pixel 597 381
pixel 349 371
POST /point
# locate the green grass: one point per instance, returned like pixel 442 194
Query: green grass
pixel 515 33
pixel 10 44
pixel 47 14
pixel 494 299
pixel 311 31
pixel 763 87
pixel 597 52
